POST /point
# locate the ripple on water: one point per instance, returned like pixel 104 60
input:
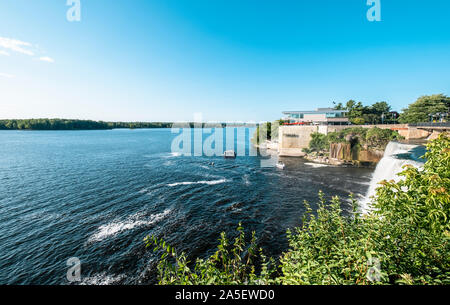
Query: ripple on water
pixel 103 279
pixel 134 221
pixel 317 165
pixel 211 182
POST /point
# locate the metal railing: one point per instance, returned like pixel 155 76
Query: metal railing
pixel 430 124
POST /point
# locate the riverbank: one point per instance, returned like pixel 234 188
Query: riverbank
pixel 272 147
pixel 332 161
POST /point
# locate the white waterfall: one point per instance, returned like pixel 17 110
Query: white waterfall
pixel 395 157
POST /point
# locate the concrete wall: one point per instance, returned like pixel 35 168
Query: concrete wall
pixel 415 133
pixel 323 129
pixel 292 139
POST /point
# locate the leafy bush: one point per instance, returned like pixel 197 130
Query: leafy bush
pixel 231 264
pixel 318 142
pixel 415 215
pixel 403 239
pixel 328 249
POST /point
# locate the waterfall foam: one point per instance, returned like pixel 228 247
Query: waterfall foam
pixel 396 155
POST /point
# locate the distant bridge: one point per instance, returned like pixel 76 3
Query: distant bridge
pixel 418 130
pixel 432 126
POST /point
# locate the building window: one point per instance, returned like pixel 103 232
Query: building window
pixel 296 116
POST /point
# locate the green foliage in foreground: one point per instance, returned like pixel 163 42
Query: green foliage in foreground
pixel 404 239
pixel 231 264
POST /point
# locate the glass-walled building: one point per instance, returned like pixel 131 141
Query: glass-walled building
pixel 321 116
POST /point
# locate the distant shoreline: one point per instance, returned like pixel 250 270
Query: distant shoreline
pixel 68 125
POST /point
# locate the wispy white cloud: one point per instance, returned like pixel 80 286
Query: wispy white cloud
pixel 47 59
pixel 8 45
pixel 6 75
pixel 16 46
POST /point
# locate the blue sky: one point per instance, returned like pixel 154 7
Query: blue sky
pixel 231 60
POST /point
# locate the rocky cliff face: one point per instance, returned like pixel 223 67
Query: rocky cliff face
pixel 340 151
pixel 370 155
pixel 347 152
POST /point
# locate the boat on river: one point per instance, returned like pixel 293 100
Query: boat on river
pixel 229 154
pixel 281 165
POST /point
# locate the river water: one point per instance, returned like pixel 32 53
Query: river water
pixel 95 195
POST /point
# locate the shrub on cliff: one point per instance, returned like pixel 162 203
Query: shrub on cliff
pixel 379 138
pixel 372 137
pixel 318 142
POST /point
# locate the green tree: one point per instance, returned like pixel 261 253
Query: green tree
pixel 267 130
pixel 381 107
pixel 355 111
pixel 359 114
pixel 338 106
pixel 419 111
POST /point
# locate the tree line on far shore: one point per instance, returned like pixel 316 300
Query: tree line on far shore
pixel 64 124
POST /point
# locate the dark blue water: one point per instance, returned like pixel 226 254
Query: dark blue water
pixel 96 194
